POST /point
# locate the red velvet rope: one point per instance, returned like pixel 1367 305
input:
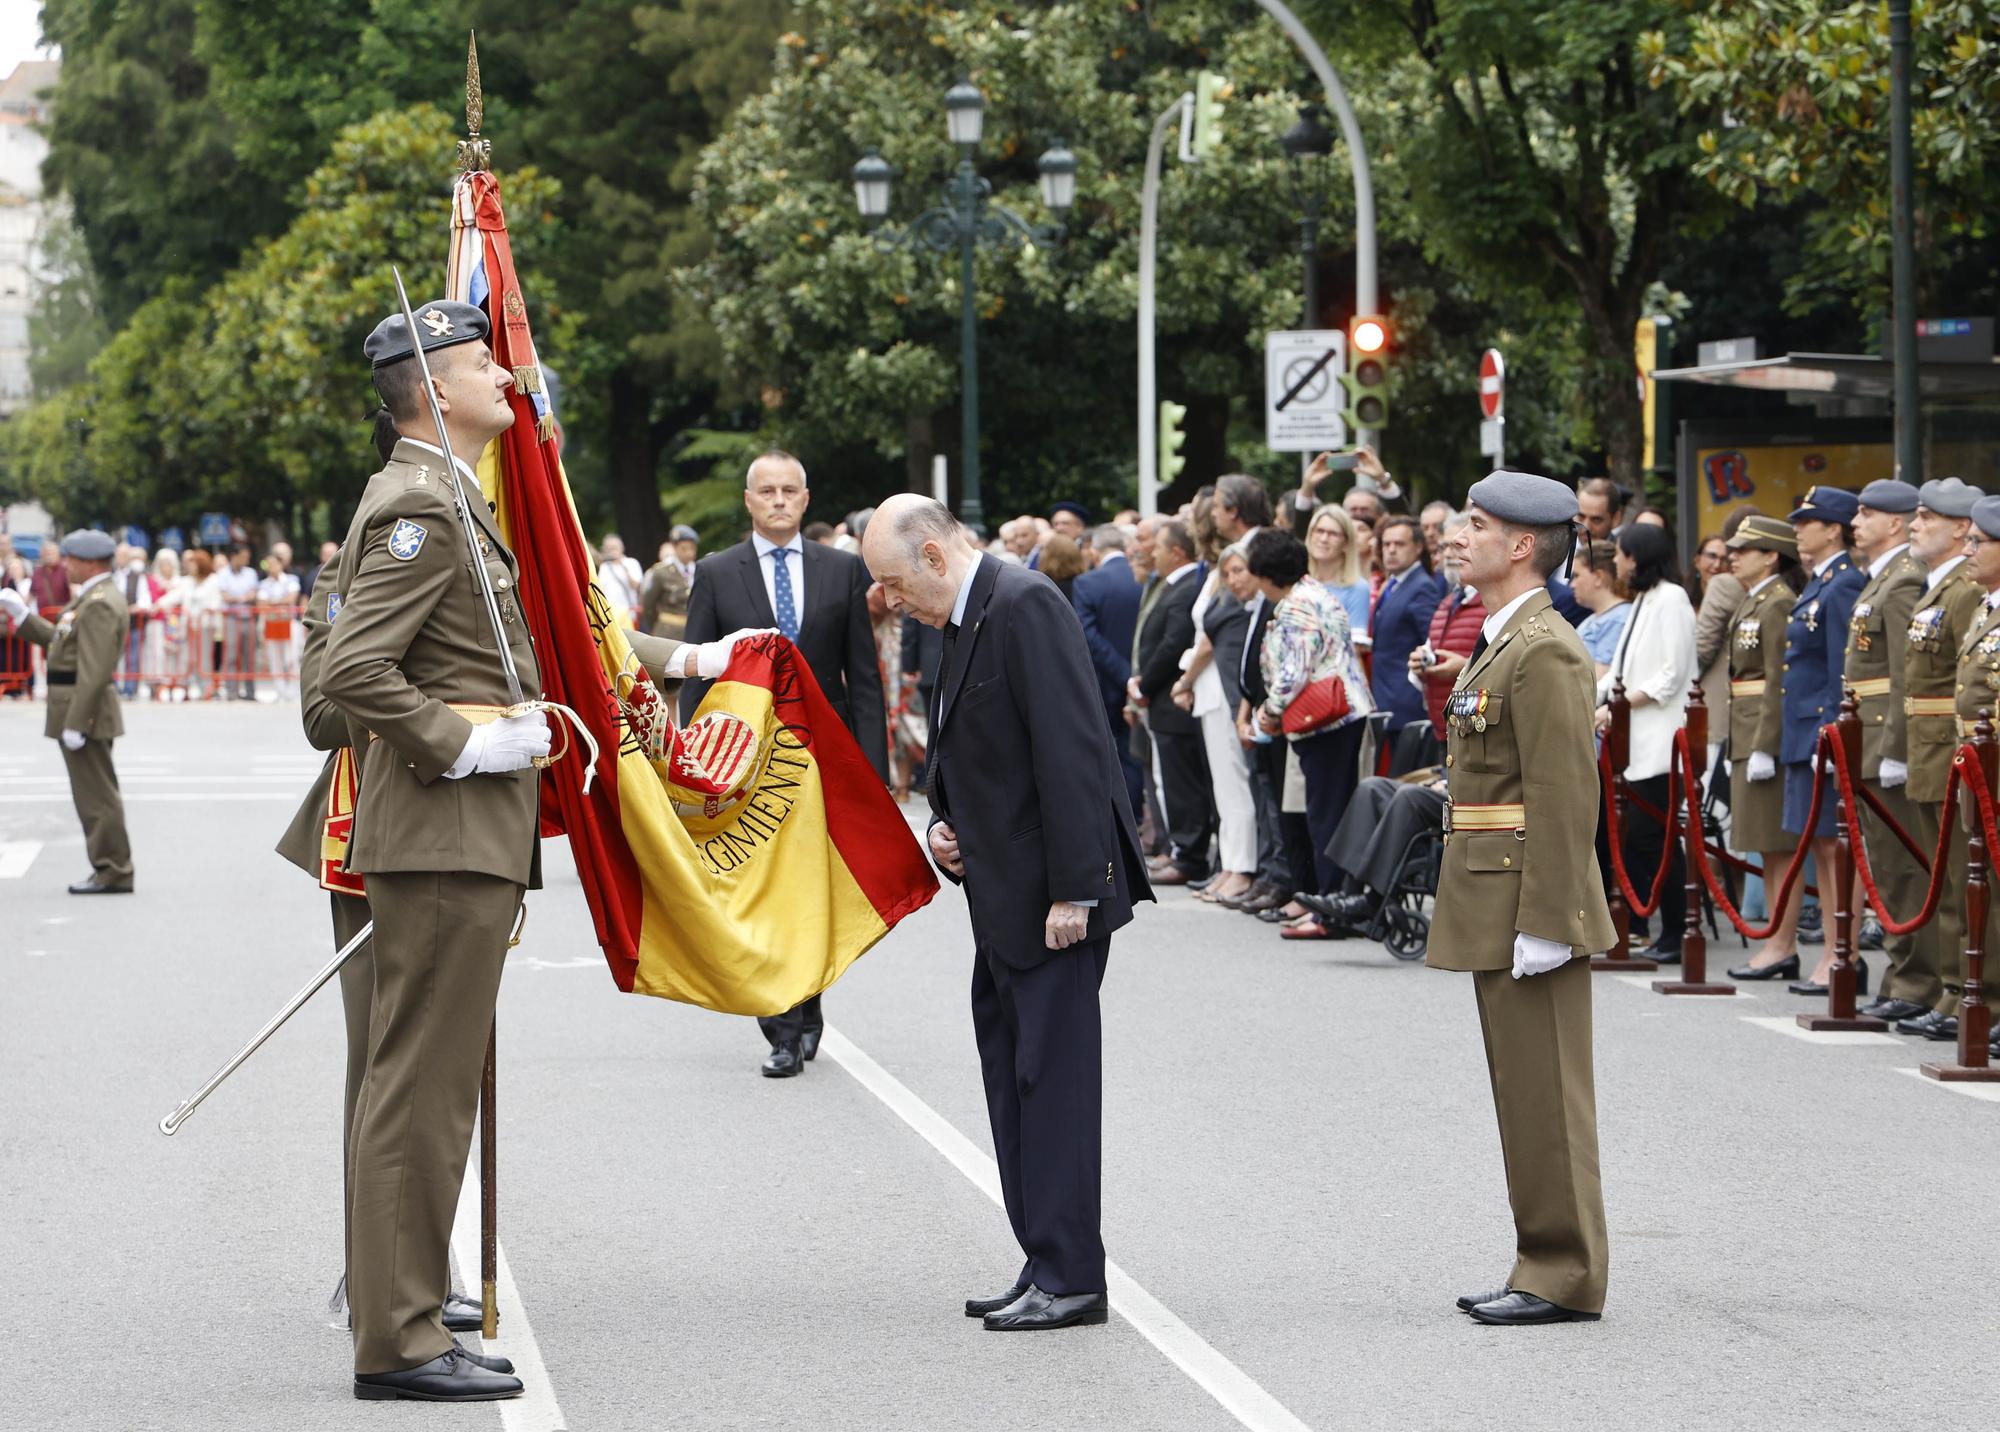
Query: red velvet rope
pixel 1845 774
pixel 1643 909
pixel 1683 758
pixel 1983 798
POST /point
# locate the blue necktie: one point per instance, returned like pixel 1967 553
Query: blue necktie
pixel 781 583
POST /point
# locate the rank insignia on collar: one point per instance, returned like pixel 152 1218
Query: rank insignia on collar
pixel 406 540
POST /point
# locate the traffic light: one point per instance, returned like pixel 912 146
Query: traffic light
pixel 1210 90
pixel 1367 375
pixel 1172 440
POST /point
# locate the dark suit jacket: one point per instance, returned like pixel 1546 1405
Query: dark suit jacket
pixel 1022 767
pixel 1167 632
pixel 923 646
pixel 834 632
pixel 1227 622
pixel 1402 623
pixel 1107 604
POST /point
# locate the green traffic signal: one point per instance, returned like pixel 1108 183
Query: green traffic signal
pixel 1172 440
pixel 1210 90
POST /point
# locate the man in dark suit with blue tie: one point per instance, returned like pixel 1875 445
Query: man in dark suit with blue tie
pixel 1027 812
pixel 1107 604
pixel 818 596
pixel 1402 619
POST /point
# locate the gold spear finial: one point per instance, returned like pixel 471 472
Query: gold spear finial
pixel 474 153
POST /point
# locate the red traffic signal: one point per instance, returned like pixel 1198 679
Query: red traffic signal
pixel 1368 334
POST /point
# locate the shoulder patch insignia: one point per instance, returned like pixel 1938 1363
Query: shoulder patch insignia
pixel 333 603
pixel 406 540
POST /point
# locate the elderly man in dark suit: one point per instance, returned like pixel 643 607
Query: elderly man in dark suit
pixel 1028 813
pixel 1107 604
pixel 818 596
pixel 1166 632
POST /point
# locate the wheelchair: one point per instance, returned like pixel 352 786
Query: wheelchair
pixel 1401 924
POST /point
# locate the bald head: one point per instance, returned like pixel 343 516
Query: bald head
pixel 915 549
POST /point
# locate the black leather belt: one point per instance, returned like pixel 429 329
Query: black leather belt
pixel 62 678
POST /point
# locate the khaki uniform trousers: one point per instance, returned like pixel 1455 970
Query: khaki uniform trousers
pixel 93 785
pixel 1916 961
pixel 357 994
pixel 440 940
pixel 1944 936
pixel 1538 1052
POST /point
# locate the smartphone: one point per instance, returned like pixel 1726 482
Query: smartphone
pixel 1338 461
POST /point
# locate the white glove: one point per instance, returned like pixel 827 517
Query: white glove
pixel 1762 766
pixel 711 658
pixel 14 605
pixel 1535 956
pixel 511 743
pixel 1894 773
pixel 72 740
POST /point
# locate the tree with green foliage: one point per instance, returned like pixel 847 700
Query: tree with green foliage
pixel 1793 101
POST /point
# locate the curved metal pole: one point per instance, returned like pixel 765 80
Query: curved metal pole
pixel 1366 299
pixel 1149 237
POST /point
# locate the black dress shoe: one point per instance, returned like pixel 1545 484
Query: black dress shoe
pixel 91 887
pixel 1519 1308
pixel 784 1061
pixel 1943 1028
pixel 1869 937
pixel 451 1376
pixel 1662 954
pixel 809 1044
pixel 1272 899
pixel 980 1307
pixel 1036 1311
pixel 1813 989
pixel 1894 1010
pixel 1785 969
pixel 463 1314
pixel 1472 1300
pixel 490 1361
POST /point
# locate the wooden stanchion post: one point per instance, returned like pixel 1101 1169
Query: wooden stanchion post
pixel 1975 1016
pixel 1618 749
pixel 1840 980
pixel 1694 944
pixel 489 1194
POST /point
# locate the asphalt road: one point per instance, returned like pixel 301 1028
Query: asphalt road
pixel 1301 1168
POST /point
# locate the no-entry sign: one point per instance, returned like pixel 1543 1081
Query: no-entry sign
pixel 1492 384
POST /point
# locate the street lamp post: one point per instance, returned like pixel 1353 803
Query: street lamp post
pixel 967 219
pixel 1309 145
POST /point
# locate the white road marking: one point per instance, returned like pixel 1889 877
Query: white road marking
pixel 1989 1092
pixel 16 856
pixel 62 797
pixel 536 962
pixel 1238 1393
pixel 1785 1024
pixel 535 1410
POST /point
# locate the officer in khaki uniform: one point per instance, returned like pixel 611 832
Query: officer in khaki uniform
pixel 1938 623
pixel 1977 690
pixel 1761 547
pixel 1520 896
pixel 85 644
pixel 1875 669
pixel 663 596
pixel 444 833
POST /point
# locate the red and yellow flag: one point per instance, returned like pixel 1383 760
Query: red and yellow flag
pixel 744 863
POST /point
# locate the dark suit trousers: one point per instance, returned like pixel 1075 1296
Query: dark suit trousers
pixel 1121 742
pixel 1331 763
pixel 786 1028
pixel 1188 797
pixel 1041 1052
pixel 1267 788
pixel 1384 814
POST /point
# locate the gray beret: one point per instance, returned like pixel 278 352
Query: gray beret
pixel 1948 496
pixel 685 533
pixel 1889 494
pixel 87 544
pixel 1524 499
pixel 1986 516
pixel 443 324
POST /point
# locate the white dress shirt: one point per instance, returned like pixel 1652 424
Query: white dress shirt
pixel 767 567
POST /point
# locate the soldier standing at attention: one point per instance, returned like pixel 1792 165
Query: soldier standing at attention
pixel 1520 895
pixel 85 644
pixel 1877 636
pixel 1946 611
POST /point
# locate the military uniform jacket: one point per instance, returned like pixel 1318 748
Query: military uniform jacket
pixel 1930 679
pixel 1757 654
pixel 409 637
pixel 1978 684
pixel 663 600
pixel 1521 761
pixel 326 728
pixel 1815 652
pixel 85 643
pixel 1877 631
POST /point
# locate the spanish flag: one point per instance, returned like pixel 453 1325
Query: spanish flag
pixel 741 864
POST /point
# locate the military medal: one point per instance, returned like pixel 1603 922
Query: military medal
pixel 1812 615
pixel 1479 712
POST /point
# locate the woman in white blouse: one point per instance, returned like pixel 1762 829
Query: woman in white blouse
pixel 1656 660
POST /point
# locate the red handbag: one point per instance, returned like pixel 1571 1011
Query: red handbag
pixel 1321 703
